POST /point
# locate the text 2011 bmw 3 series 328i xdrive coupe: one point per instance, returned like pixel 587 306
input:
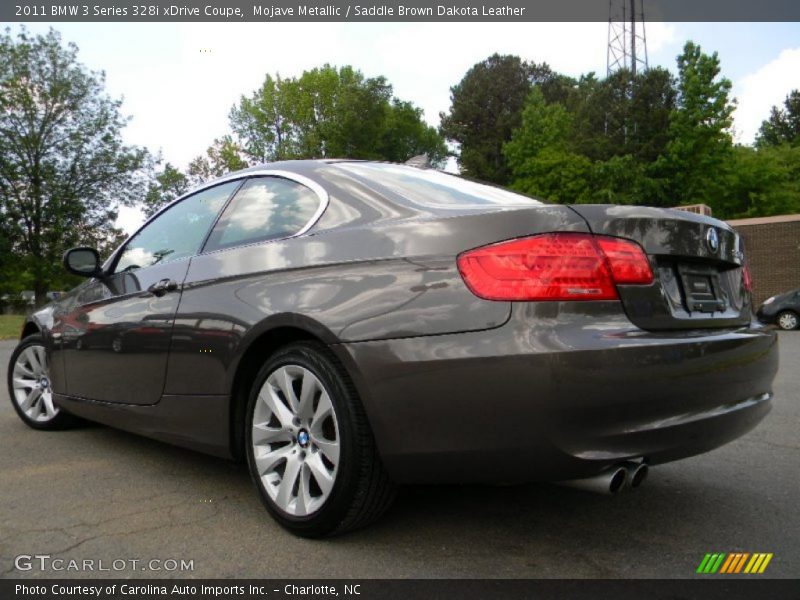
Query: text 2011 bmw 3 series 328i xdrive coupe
pixel 348 326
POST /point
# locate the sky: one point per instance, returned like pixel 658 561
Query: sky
pixel 178 81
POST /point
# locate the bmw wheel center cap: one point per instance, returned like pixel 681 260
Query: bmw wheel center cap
pixel 302 438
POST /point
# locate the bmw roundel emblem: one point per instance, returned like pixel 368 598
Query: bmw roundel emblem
pixel 712 239
pixel 302 438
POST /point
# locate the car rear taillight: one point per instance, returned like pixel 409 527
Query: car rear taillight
pixel 747 281
pixel 554 266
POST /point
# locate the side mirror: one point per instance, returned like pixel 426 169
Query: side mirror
pixel 83 261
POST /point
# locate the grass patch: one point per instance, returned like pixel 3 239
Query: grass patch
pixel 10 326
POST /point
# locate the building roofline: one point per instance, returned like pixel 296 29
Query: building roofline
pixel 763 220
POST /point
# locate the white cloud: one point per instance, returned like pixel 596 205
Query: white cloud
pixel 129 218
pixel 758 92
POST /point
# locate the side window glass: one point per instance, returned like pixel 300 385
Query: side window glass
pixel 266 208
pixel 176 233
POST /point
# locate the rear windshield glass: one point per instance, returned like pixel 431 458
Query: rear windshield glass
pixel 434 188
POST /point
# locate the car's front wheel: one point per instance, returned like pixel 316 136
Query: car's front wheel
pixel 29 386
pixel 787 320
pixel 309 446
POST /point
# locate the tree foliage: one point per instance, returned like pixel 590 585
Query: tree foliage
pixel 222 156
pixel 63 165
pixel 486 107
pixel 603 134
pixel 541 153
pixel 762 181
pixel 331 112
pixel 167 185
pixel 326 112
pixel 653 139
pixel 700 143
pixel 783 125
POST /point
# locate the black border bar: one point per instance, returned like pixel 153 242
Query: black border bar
pixel 389 10
pixel 729 588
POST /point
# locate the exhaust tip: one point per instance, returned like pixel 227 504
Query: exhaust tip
pixel 638 474
pixel 610 481
pixel 617 481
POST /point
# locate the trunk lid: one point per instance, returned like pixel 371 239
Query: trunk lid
pixel 697 261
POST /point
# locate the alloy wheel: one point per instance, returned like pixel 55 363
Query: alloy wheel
pixel 295 439
pixel 787 320
pixel 31 385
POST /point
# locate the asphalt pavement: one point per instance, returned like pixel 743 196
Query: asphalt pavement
pixel 98 494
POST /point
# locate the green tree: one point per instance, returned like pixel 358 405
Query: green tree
pixel 543 126
pixel 167 185
pixel 783 125
pixel 699 150
pixel 405 134
pixel 540 154
pixel 263 121
pixel 486 107
pixel 331 112
pixel 63 166
pixel 622 114
pixel 653 99
pixel 547 156
pixel 222 156
pixel 656 140
pixel 12 279
pixel 762 182
pixel 340 113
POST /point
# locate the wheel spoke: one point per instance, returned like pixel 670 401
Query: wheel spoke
pixel 263 434
pixel 290 475
pixel 21 367
pixel 42 356
pixel 38 408
pixel 307 392
pixel 33 360
pixel 267 462
pixel 322 476
pixel 324 410
pixel 276 406
pixel 24 384
pixel 330 448
pixel 30 399
pixel 284 381
pixel 304 498
pixel 49 407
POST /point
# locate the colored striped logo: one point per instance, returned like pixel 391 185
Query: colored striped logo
pixel 734 562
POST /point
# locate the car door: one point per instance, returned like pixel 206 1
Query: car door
pixel 229 285
pixel 122 323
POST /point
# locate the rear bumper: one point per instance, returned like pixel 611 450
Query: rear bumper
pixel 560 391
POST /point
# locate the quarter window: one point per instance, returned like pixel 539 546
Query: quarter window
pixel 176 233
pixel 266 208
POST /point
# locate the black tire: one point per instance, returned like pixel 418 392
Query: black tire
pixel 787 316
pixel 361 491
pixel 61 420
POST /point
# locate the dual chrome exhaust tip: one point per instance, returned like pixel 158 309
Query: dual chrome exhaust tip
pixel 629 474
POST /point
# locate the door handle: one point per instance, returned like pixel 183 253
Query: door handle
pixel 160 288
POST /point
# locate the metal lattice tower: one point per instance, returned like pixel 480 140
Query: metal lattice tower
pixel 627 45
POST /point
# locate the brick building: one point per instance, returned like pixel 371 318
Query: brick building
pixel 772 247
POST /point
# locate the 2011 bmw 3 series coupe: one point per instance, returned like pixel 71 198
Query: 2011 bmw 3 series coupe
pixel 348 326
